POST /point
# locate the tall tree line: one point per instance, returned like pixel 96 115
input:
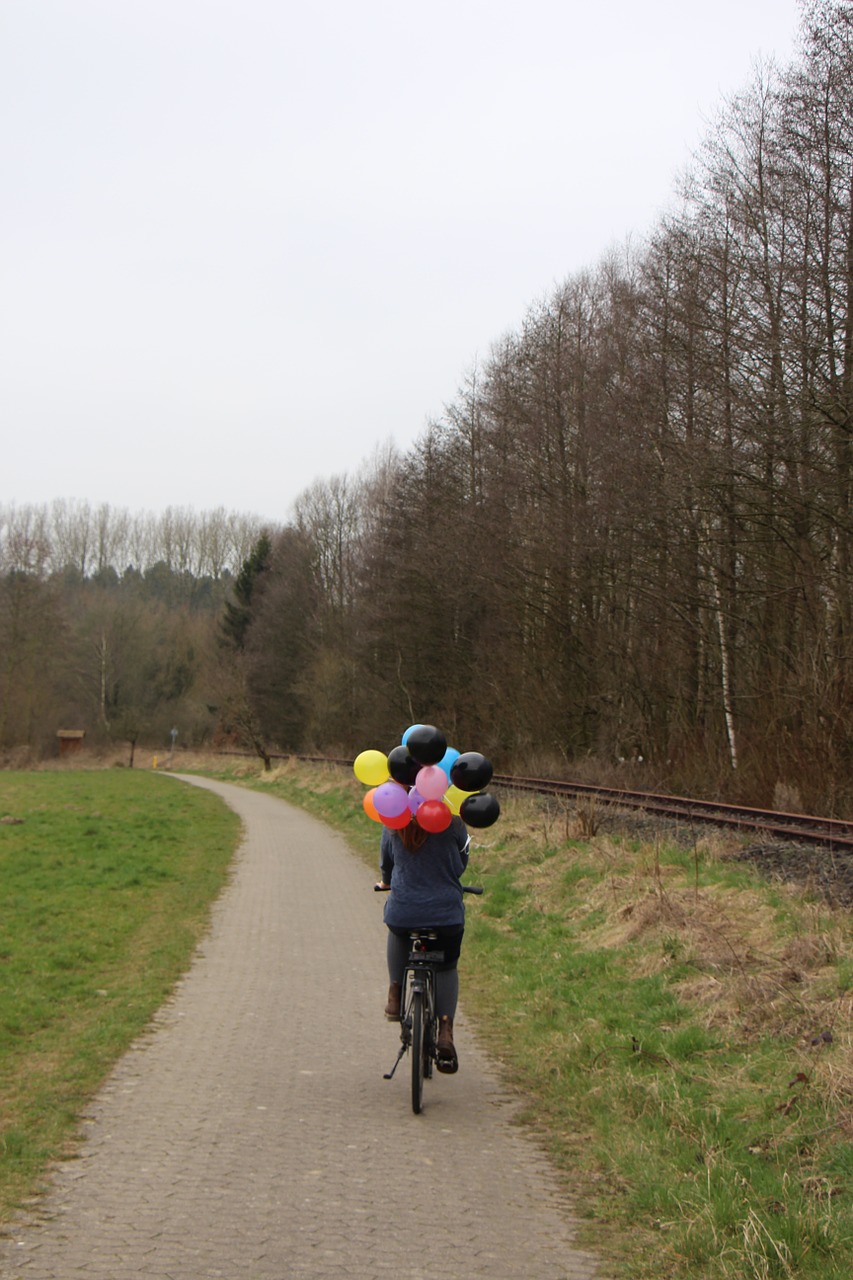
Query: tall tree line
pixel 630 534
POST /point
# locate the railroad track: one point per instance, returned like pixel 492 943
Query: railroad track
pixel 797 827
pixel 786 826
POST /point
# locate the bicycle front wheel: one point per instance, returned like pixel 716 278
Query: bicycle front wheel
pixel 417 1051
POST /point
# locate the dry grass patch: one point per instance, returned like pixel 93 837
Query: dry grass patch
pixel 746 972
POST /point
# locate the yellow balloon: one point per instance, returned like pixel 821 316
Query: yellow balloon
pixel 371 768
pixel 454 797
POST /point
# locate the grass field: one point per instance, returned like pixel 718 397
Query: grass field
pixel 106 880
pixel 681 1028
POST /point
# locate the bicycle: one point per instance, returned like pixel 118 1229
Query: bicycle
pixel 418 1018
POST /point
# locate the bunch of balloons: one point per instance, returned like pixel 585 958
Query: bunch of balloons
pixel 425 779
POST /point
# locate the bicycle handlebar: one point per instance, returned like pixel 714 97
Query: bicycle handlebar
pixel 466 888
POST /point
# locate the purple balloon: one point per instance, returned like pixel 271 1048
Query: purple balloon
pixel 390 800
pixel 415 799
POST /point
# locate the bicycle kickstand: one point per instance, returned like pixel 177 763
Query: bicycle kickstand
pixel 388 1075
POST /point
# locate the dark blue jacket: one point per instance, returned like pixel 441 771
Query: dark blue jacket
pixel 425 884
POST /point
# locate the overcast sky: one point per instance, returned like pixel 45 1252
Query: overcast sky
pixel 244 243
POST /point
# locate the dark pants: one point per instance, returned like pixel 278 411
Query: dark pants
pixel 449 941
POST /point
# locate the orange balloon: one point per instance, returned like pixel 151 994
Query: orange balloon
pixel 369 807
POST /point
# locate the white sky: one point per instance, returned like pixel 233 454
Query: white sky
pixel 244 243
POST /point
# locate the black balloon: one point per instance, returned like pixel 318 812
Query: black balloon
pixel 480 810
pixel 426 744
pixel 471 771
pixel 402 766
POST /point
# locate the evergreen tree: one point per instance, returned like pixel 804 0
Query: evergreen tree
pixel 238 612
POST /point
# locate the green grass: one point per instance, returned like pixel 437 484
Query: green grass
pixel 106 880
pixel 657 1007
pixel 661 1008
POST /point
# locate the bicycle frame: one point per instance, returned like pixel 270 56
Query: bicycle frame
pixel 418 1022
pixel 419 978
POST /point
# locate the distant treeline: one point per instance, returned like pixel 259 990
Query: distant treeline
pixel 108 620
pixel 76 537
pixel 630 537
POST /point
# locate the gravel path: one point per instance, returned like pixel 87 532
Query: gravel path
pixel 250 1133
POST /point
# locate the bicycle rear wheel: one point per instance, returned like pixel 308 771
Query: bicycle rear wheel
pixel 417 1051
pixel 430 1034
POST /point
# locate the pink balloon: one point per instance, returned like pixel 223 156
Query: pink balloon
pixel 390 800
pixel 432 782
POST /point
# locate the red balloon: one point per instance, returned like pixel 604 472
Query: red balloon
pixel 434 816
pixel 398 821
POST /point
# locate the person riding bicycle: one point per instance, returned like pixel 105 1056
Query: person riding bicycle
pixel 423 871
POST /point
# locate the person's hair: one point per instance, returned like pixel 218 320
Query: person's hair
pixel 413 836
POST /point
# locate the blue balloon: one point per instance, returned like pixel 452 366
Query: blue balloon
pixel 411 728
pixel 447 760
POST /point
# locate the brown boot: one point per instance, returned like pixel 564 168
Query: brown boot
pixel 392 1008
pixel 446 1059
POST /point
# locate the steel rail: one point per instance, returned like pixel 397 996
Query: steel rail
pixel 799 827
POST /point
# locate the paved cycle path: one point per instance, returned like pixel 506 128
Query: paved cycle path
pixel 250 1134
